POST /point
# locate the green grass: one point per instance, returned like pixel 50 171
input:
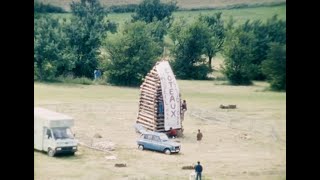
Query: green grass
pixel 240 15
pixel 185 4
pixel 111 111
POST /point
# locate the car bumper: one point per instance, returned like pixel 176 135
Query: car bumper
pixel 66 149
pixel 175 151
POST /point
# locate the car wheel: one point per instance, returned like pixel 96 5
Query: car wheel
pixel 140 147
pixel 167 151
pixel 51 152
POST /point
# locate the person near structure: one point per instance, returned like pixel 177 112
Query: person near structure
pixel 183 109
pixel 172 133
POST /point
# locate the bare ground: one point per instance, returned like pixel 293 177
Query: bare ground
pixel 245 143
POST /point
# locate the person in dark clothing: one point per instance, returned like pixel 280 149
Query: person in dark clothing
pixel 198 169
pixel 183 109
pixel 199 136
pixel 172 133
pixel 184 105
pixel 160 108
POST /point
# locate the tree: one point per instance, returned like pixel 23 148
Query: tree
pixel 274 67
pixel 238 52
pixel 187 51
pixel 85 34
pixel 154 10
pixel 50 49
pixel 216 33
pixel 274 30
pixel 131 54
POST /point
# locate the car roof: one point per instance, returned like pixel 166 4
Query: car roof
pixel 153 133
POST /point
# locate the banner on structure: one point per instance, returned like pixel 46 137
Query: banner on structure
pixel 170 94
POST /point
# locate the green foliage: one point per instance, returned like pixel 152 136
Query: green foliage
pixel 50 46
pixel 46 8
pixel 85 34
pixel 72 80
pixel 236 6
pixel 274 67
pixel 131 54
pixel 188 48
pixel 274 30
pixel 154 10
pixel 216 35
pixel 257 48
pixel 238 52
pixel 124 8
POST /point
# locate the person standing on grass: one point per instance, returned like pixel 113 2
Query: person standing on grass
pixel 95 73
pixel 198 168
pixel 183 109
pixel 199 136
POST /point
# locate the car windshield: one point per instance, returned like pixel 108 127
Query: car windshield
pixel 62 133
pixel 164 137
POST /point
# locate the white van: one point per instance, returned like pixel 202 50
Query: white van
pixel 52 132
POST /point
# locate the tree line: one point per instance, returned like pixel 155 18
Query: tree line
pixel 39 7
pixel 88 41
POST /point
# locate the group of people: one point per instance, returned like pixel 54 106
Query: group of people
pixel 172 133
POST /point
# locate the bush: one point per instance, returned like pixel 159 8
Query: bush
pixel 154 10
pixel 72 80
pixel 47 8
pixel 49 48
pixel 274 67
pixel 189 41
pixel 238 52
pixel 123 8
pixel 131 54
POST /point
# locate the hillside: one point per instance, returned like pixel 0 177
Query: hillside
pixel 185 4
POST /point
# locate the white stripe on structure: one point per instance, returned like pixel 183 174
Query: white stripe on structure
pixel 170 94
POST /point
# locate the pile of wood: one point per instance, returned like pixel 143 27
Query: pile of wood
pixel 150 95
pixel 228 106
pixel 187 167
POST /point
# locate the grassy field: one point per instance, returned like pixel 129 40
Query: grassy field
pixel 240 15
pixel 225 152
pixel 181 3
pixel 247 143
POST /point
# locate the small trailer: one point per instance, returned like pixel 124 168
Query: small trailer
pixel 52 133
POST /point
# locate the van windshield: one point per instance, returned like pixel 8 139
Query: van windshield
pixel 62 133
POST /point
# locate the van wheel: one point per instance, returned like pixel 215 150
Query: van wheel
pixel 167 151
pixel 72 153
pixel 51 152
pixel 140 147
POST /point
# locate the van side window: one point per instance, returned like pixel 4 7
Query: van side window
pixel 49 133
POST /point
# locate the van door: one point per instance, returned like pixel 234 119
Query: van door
pixel 47 138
